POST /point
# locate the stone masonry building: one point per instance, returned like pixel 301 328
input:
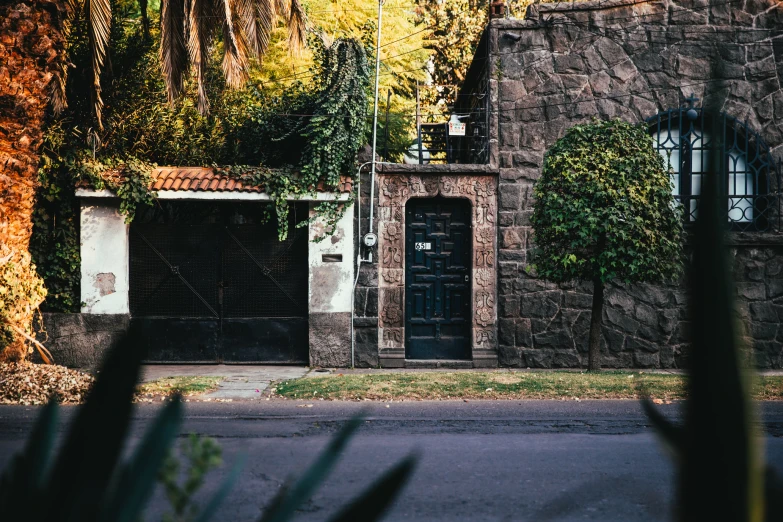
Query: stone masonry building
pixel 530 80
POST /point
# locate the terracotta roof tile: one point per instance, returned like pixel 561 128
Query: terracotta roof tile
pixel 207 179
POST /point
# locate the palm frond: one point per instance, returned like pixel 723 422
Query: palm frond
pixel 256 18
pixel 173 56
pixel 282 8
pixel 234 49
pixel 297 27
pixel 199 32
pixel 99 31
pixel 58 97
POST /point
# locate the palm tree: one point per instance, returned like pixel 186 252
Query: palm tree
pixel 32 43
pixel 188 28
pixel 32 77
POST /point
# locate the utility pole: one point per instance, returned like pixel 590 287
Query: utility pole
pixel 375 110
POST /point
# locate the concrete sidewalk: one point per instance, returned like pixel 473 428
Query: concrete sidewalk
pixel 241 382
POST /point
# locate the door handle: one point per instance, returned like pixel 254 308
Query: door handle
pixel 467 278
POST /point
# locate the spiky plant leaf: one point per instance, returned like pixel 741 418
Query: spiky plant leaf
pixel 137 479
pixel 372 503
pixel 93 446
pixel 21 485
pixel 209 510
pixel 289 499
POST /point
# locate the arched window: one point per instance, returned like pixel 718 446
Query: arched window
pixel 679 136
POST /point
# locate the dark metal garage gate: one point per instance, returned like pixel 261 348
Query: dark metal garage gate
pixel 212 283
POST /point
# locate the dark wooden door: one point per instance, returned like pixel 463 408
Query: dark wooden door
pixel 437 279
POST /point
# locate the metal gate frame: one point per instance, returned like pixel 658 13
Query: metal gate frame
pixel 214 333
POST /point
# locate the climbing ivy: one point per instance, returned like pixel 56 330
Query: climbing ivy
pixel 288 142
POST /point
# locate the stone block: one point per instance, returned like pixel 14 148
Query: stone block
pixel 506 331
pixel 330 340
pixel 556 339
pixel 761 70
pixel 512 255
pixel 523 333
pixel 624 71
pixel 617 298
pixel 535 358
pixel 566 360
pixel 510 238
pixel 510 196
pixel 371 310
pixel 764 312
pixel 645 360
pixel 621 321
pixel 81 340
pixel 528 158
pixel 360 302
pixel 635 344
pixel 614 340
pixel 763 331
pixel 506 219
pixel 751 291
pixel 577 300
pixel 611 52
pixel 574 84
pixel 368 275
pixel 545 305
pixel 646 314
pixel 774 288
pixel 568 63
pixel 509 306
pixel 512 90
pixel 509 356
pixel 617 360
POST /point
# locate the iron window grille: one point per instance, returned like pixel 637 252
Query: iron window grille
pixel 751 178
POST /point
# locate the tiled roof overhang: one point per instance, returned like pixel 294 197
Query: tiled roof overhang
pixel 210 183
pixel 208 179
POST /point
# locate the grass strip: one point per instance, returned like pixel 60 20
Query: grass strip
pixel 185 386
pixel 502 385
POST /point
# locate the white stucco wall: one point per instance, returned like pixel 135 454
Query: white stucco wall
pixel 104 252
pixel 331 283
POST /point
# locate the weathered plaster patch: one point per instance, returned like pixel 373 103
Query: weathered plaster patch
pixel 104 282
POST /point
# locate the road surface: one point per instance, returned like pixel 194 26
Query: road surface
pixel 479 460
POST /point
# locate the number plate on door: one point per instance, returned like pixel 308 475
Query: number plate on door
pixel 423 246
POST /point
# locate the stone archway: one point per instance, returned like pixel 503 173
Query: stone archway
pixel 395 191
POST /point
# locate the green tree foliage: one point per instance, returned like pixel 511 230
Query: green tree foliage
pixel 141 128
pixel 404 59
pixel 454 28
pixel 604 211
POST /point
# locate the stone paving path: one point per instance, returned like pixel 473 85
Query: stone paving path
pixel 241 382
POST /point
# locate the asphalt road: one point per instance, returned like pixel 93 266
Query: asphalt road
pixel 480 460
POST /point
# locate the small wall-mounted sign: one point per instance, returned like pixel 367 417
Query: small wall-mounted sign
pixel 456 128
pixel 423 246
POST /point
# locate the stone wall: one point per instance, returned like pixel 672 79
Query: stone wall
pixel 567 63
pixel 80 340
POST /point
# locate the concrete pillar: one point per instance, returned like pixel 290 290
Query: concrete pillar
pixel 105 255
pixel 330 285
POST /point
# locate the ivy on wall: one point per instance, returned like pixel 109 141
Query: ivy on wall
pixel 287 143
